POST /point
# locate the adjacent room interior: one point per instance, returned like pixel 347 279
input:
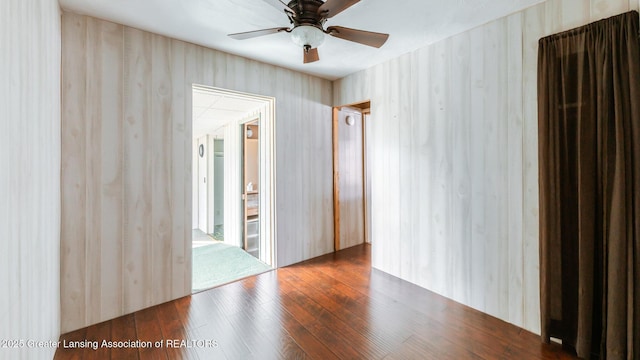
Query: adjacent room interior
pixel 227 187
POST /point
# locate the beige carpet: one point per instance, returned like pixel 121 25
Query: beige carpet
pixel 216 263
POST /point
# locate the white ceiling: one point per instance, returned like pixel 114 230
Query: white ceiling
pixel 212 111
pixel 411 24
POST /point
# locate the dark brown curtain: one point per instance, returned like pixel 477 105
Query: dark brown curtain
pixel 589 156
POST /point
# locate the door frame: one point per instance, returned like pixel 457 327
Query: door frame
pixel 267 184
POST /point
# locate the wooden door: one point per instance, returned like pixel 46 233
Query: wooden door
pixel 348 165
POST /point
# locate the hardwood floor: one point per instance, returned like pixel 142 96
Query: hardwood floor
pixel 331 307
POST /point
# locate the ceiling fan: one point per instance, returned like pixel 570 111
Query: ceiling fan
pixel 308 18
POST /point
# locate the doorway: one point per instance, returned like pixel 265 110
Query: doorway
pixel 218 192
pixel 351 175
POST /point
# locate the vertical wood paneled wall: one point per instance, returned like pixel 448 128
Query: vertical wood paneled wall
pixel 127 163
pixel 30 175
pixel 454 159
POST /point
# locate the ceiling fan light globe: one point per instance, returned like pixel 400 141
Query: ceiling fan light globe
pixel 307 35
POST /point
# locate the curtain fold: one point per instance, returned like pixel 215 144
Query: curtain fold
pixel 589 156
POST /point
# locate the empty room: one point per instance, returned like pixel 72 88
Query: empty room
pixel 309 179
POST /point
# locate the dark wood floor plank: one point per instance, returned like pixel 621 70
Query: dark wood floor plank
pixel 228 345
pixel 346 309
pixel 313 347
pixel 97 334
pixel 190 316
pixel 65 352
pixel 264 334
pixel 233 306
pixel 332 307
pixel 173 332
pixel 415 348
pixel 337 343
pixel 409 325
pixel 215 326
pixel 419 300
pixel 148 331
pixel 263 288
pixel 366 347
pixel 124 329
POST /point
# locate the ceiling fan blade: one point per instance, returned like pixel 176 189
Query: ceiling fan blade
pixel 360 36
pixel 311 55
pixel 332 8
pixel 279 5
pixel 256 33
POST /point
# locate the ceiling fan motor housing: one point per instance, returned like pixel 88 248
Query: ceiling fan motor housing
pixel 306 13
